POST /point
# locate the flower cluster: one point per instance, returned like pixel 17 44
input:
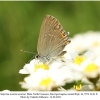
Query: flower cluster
pixel 77 70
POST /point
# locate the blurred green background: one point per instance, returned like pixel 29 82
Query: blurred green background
pixel 20 24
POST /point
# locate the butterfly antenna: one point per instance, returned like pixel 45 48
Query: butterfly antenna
pixel 27 51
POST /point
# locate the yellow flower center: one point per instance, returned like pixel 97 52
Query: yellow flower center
pixel 44 66
pixel 95 44
pixel 77 87
pixel 91 67
pixel 46 82
pixel 79 59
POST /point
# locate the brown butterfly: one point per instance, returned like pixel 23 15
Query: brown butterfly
pixel 52 39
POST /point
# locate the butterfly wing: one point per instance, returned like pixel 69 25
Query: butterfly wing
pixel 52 38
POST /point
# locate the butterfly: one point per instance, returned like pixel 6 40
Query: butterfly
pixel 52 39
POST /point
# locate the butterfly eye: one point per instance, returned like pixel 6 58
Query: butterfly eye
pixel 37 56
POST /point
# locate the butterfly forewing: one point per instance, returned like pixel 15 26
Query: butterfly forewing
pixel 52 38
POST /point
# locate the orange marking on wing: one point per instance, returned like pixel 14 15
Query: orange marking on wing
pixel 63 35
pixel 67 42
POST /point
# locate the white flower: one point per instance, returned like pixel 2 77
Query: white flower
pixel 46 77
pixel 87 88
pixel 84 42
pixel 62 89
pixel 31 67
pixel 6 91
pixel 91 68
pixel 76 63
pixel 85 65
pixel 28 68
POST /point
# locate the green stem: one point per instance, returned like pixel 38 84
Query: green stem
pixel 95 87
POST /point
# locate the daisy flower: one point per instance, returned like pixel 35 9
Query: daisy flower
pixel 85 66
pixel 46 77
pixel 82 42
